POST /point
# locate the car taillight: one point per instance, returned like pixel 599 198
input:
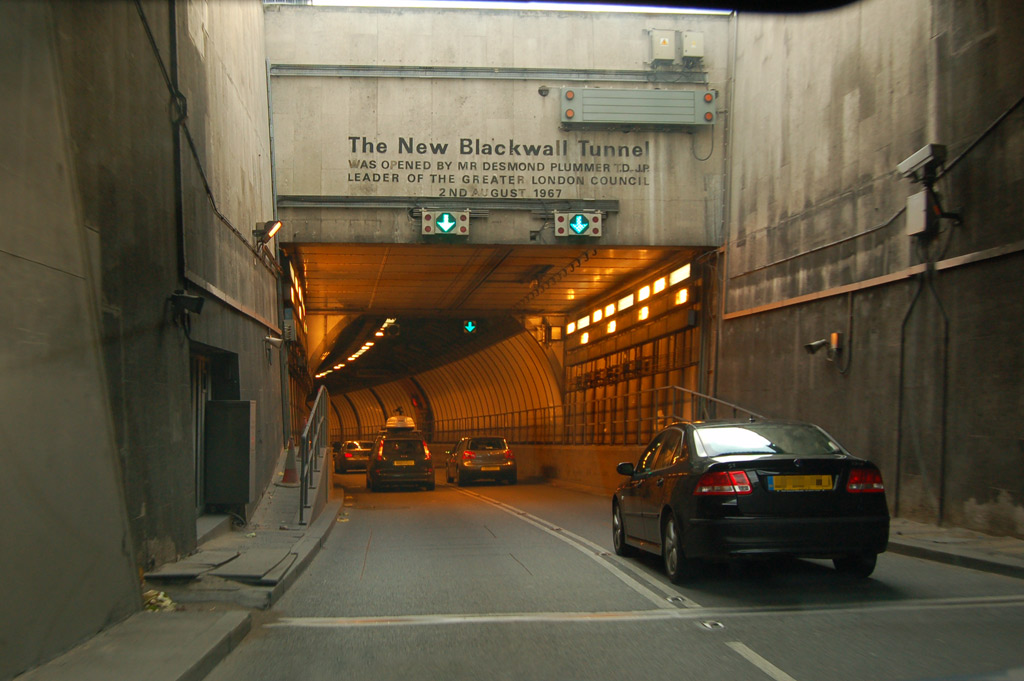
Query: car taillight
pixel 509 454
pixel 723 482
pixel 426 452
pixel 380 453
pixel 348 455
pixel 864 480
pixel 467 455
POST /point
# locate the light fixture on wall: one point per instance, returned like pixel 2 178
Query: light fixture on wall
pixel 265 231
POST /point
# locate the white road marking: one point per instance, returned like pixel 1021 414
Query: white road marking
pixel 697 615
pixel 586 547
pixel 759 662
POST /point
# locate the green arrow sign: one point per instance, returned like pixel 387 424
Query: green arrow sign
pixel 445 222
pixel 469 326
pixel 579 223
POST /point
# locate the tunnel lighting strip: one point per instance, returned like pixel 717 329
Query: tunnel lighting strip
pixel 358 353
pixel 645 292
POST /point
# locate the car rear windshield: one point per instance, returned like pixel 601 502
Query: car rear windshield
pixel 402 448
pixel 364 444
pixel 765 438
pixel 487 443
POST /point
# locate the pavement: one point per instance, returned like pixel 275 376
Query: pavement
pixel 203 604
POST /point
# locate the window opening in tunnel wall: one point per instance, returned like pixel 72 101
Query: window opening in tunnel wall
pixel 626 395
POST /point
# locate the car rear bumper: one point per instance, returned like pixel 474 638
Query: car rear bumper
pixel 350 465
pixel 806 537
pixel 496 471
pixel 402 477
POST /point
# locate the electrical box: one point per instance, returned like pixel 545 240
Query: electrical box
pixel 663 46
pixel 578 223
pixel 434 221
pixel 693 45
pixel 920 213
pixel 613 107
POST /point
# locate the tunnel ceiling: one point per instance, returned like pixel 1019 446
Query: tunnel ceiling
pixel 431 289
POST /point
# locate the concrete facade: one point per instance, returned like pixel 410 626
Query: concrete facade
pixel 929 383
pixel 108 214
pixel 423 106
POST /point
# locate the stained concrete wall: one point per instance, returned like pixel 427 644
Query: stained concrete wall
pixel 339 136
pixel 108 214
pixel 929 382
pixel 67 566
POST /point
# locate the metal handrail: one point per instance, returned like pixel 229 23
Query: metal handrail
pixel 312 448
pixel 616 419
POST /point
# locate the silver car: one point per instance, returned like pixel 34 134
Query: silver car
pixel 480 458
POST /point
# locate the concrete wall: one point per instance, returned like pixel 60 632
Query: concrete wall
pixel 107 215
pixel 354 135
pixel 67 563
pixel 825 107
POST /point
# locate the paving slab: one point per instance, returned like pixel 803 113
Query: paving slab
pixel 193 566
pixel 251 565
pixel 151 646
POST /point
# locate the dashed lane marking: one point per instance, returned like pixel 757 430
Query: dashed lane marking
pixel 759 662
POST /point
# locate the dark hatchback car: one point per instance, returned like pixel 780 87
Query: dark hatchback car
pixel 746 489
pixel 481 458
pixel 400 460
pixel 351 456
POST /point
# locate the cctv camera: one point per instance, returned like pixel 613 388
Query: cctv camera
pixel 922 164
pixel 276 342
pixel 186 302
pixel 813 347
pixel 543 91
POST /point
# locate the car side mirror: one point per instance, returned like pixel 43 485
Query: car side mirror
pixel 336 446
pixel 625 468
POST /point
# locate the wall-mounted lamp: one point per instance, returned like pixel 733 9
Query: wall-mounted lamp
pixel 265 231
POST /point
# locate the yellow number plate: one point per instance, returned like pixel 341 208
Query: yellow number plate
pixel 490 468
pixel 405 463
pixel 799 483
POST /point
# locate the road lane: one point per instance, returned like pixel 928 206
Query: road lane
pixel 520 583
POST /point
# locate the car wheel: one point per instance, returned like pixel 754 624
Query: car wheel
pixel 619 534
pixel 857 564
pixel 512 480
pixel 369 483
pixel 677 566
pixel 459 479
pixel 430 486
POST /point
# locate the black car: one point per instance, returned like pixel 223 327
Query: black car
pixel 351 455
pixel 400 459
pixel 745 489
pixel 481 458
